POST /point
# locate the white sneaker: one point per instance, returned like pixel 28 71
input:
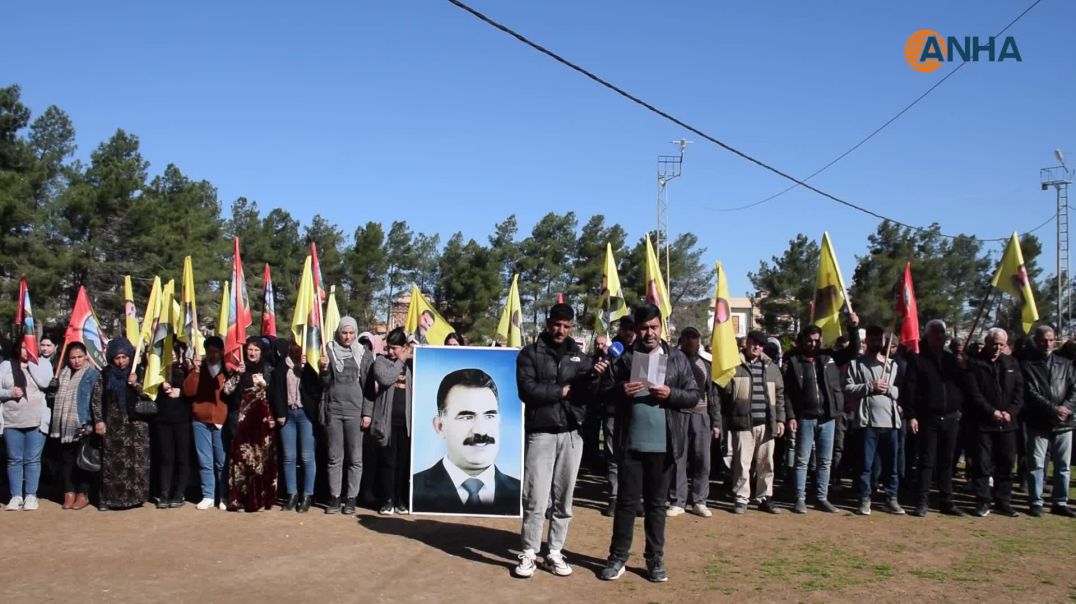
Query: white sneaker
pixel 526 564
pixel 15 504
pixel 30 504
pixel 554 563
pixel 222 506
pixel 700 509
pixel 204 504
pixel 674 510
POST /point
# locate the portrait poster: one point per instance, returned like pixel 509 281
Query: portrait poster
pixel 467 432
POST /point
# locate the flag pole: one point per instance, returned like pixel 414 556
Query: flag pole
pixel 979 314
pixel 60 359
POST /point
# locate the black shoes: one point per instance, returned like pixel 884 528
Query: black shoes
pixel 304 505
pixel 610 509
pixel 612 571
pixel 952 510
pixel 333 507
pixel 920 511
pixel 655 570
pixel 178 502
pixel 386 509
pixel 1035 511
pixel 1063 510
pixel 349 506
pixel 740 508
pixel 767 505
pixel 163 503
pixel 1006 510
pixel 982 510
pixel 289 505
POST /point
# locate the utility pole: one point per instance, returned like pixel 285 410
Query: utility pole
pixel 1060 177
pixel 668 169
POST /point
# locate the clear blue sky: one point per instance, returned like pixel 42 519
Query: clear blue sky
pixel 417 111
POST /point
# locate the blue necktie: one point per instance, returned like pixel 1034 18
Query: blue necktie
pixel 472 486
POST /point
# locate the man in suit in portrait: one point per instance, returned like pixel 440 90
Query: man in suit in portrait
pixel 466 480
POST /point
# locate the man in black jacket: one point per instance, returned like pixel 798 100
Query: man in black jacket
pixel 1050 402
pixel 646 443
pixel 815 394
pixel 626 337
pixel 556 382
pixel 938 389
pixel 997 396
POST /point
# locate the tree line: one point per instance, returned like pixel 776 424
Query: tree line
pixel 65 223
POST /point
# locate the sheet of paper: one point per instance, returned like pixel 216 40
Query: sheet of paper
pixel 649 369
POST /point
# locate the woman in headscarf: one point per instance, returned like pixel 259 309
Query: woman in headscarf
pixel 125 455
pixel 24 424
pixel 295 397
pixel 71 420
pixel 252 465
pixel 390 423
pixel 344 373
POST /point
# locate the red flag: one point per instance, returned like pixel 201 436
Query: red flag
pixel 268 305
pixel 24 319
pixel 84 327
pixel 907 313
pixel 315 268
pixel 239 319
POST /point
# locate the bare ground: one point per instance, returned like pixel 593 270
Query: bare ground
pixel 186 555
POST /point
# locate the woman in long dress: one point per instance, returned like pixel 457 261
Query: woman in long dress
pixel 125 438
pixel 252 457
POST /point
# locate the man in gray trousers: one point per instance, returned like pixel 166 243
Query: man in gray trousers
pixel 699 425
pixel 556 381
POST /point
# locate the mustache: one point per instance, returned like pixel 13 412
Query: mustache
pixel 479 439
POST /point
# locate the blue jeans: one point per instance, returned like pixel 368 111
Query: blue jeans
pixel 298 431
pixel 812 433
pixel 210 449
pixel 1060 445
pixel 24 446
pixel 885 442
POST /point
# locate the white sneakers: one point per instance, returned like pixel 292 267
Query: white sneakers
pixel 222 506
pixel 526 565
pixel 30 503
pixel 674 511
pixel 204 504
pixel 700 509
pixel 14 505
pixel 554 563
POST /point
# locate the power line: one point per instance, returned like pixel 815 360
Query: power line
pixel 877 130
pixel 650 107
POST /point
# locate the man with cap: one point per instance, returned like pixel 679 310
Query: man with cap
pixel 753 404
pixel 698 426
pixel 556 382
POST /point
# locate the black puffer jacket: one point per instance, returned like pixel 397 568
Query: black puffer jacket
pixel 1049 383
pixel 684 393
pixel 542 371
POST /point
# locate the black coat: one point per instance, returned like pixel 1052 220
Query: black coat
pixel 936 385
pixel 433 492
pixel 1049 383
pixel 309 391
pixel 988 396
pixel 684 393
pixel 541 374
pixel 830 390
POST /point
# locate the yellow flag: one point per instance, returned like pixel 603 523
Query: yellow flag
pixel 726 357
pixel 187 320
pixel 656 292
pixel 332 314
pixel 1012 279
pixel 132 330
pixel 147 319
pixel 225 306
pixel 424 322
pixel 829 293
pixel 159 350
pixel 509 328
pixel 305 326
pixel 612 303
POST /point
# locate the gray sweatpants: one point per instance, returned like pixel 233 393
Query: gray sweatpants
pixel 345 441
pixel 693 464
pixel 550 466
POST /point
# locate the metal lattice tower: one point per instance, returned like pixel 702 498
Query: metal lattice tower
pixel 1060 177
pixel 668 169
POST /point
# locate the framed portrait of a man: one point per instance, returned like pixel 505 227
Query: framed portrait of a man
pixel 467 432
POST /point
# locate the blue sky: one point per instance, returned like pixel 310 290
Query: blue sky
pixel 417 111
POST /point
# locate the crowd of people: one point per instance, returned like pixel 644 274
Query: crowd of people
pixel 893 420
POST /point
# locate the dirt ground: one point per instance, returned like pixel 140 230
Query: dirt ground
pixel 186 555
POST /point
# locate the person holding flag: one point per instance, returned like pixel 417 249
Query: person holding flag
pixel 25 414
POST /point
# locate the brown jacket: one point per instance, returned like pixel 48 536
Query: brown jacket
pixel 204 393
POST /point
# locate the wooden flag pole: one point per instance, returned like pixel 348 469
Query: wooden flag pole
pixel 979 314
pixel 60 360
